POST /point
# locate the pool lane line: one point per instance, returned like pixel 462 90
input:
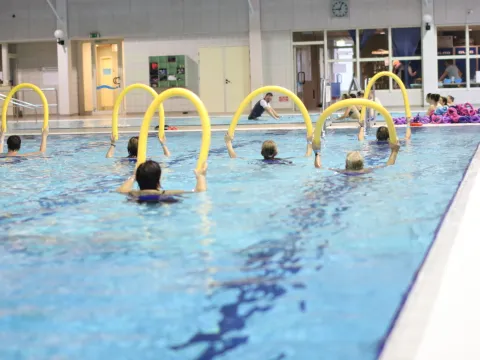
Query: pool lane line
pixel 413 320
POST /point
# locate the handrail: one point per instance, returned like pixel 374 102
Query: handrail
pixel 19 102
pixel 33 106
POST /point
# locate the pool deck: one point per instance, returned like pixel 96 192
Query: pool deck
pixel 440 317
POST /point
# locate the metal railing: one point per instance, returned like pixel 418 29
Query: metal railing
pixel 367 117
pixel 26 105
pixel 326 99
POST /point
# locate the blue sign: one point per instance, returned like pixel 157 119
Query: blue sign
pixel 107 71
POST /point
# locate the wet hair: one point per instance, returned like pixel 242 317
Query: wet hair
pixel 353 96
pixel 268 94
pixel 429 96
pixel 345 96
pixel 148 175
pixel 451 98
pixel 435 97
pixel 269 149
pixel 14 142
pixel 360 94
pixel 132 147
pixel 382 133
pixel 354 161
pixel 444 100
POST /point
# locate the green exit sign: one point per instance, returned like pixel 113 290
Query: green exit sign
pixel 94 35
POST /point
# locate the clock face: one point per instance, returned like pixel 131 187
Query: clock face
pixel 339 8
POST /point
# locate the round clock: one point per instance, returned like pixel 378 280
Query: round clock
pixel 340 8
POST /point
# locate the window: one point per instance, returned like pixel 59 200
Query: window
pixel 452 57
pixel 341 57
pixel 474 38
pixel 406 59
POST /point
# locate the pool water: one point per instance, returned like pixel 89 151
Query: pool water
pixel 273 262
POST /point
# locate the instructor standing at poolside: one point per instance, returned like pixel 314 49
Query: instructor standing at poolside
pixel 262 106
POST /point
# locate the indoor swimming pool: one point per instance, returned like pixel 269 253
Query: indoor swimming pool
pixel 273 262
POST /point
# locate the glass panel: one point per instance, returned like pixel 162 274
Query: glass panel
pixel 406 42
pixel 450 75
pixel 369 69
pixel 409 71
pixel 373 43
pixel 450 37
pixel 342 74
pixel 474 33
pixel 341 42
pixel 308 36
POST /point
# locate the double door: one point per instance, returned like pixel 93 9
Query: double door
pixel 224 77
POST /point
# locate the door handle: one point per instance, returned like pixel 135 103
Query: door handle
pixel 227 81
pixel 116 80
pixel 301 78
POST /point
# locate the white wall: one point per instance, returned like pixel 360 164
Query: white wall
pixel 456 13
pixel 34 20
pixel 137 66
pixel 149 18
pixel 278 63
pixel 31 58
pixel 298 15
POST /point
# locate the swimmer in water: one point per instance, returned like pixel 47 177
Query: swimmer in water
pixel 354 164
pixel 14 143
pixel 148 176
pixel 132 147
pixel 269 150
pixel 352 111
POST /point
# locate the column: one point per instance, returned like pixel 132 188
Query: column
pixel 255 42
pixel 429 51
pixel 5 65
pixel 67 102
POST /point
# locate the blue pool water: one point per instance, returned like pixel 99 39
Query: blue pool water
pixel 273 262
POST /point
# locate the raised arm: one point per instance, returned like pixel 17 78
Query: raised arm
pixel 228 141
pixel 309 145
pixel 408 135
pixel 201 176
pixel 318 159
pixel 395 148
pixel 2 141
pixel 361 132
pixel 43 145
pixel 111 149
pixel 163 142
pixel 127 186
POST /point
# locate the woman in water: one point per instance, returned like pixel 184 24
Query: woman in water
pixel 354 164
pixel 352 111
pixel 132 147
pixel 434 103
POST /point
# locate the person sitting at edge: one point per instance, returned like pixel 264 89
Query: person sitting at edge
pixel 262 106
pixel 14 143
pixel 354 164
pixel 352 111
pixel 148 177
pixel 269 148
pixel 132 147
pixel 450 100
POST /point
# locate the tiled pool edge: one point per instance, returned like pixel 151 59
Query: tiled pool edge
pixel 422 329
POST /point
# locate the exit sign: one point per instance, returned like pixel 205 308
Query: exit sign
pixel 94 35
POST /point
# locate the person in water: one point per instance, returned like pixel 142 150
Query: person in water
pixel 262 106
pixel 354 163
pixel 450 100
pixel 269 148
pixel 148 177
pixel 352 111
pixel 14 144
pixel 382 134
pixel 132 147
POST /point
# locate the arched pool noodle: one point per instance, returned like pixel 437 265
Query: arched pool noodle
pixel 118 102
pixel 10 96
pixel 202 112
pixel 278 89
pixel 350 102
pixel 372 81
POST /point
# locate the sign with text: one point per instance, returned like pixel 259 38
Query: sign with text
pixel 283 98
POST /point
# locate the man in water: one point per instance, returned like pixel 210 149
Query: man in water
pixel 354 164
pixel 14 143
pixel 132 147
pixel 262 106
pixel 148 176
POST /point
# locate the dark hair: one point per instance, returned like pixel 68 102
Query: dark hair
pixel 451 97
pixel 148 175
pixel 435 97
pixel 132 147
pixel 360 93
pixel 269 94
pixel 429 96
pixel 444 99
pixel 353 96
pixel 345 96
pixel 382 133
pixel 14 142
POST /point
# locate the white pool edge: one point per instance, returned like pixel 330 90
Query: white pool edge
pixel 440 317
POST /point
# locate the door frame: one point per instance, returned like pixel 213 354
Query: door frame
pixel 297 44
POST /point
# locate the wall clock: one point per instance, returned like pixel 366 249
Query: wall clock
pixel 340 8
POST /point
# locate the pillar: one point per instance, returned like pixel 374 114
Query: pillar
pixel 5 65
pixel 255 42
pixel 67 102
pixel 429 51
